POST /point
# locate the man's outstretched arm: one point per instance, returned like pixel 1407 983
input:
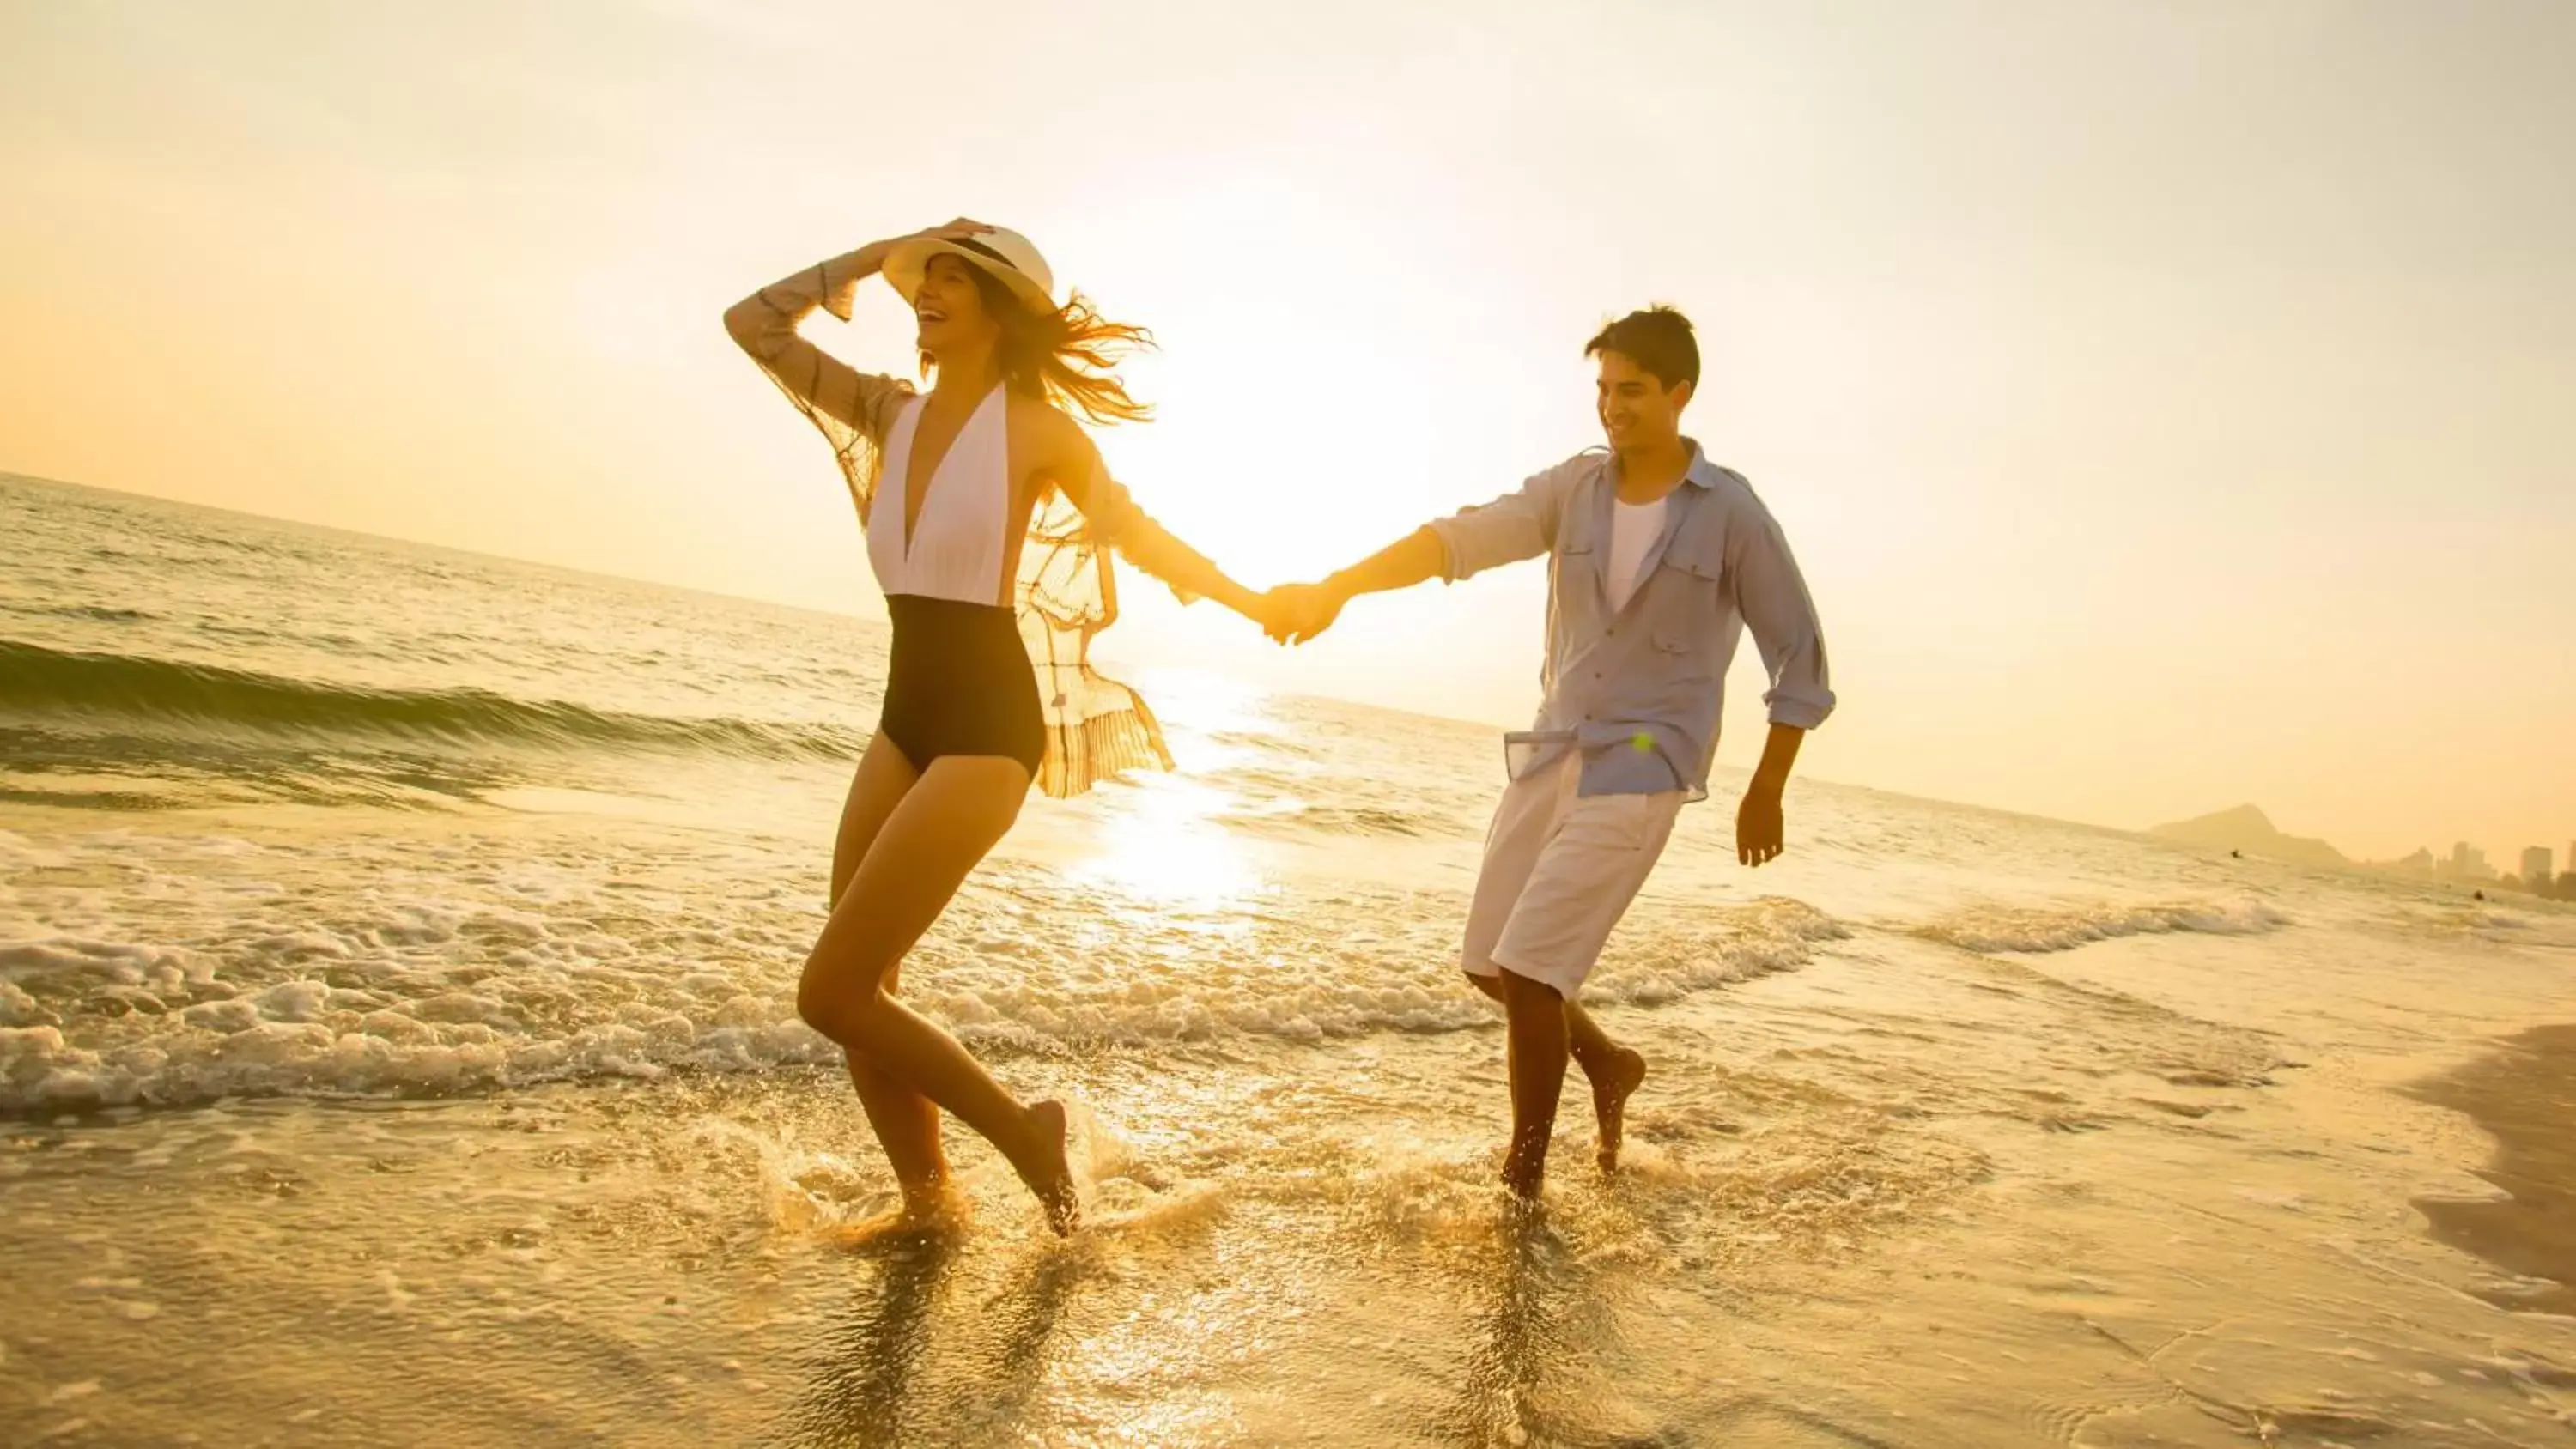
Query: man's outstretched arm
pixel 1299 612
pixel 1518 525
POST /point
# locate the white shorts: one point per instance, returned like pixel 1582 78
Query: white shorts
pixel 1560 870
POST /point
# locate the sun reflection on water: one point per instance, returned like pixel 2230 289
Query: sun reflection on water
pixel 1164 842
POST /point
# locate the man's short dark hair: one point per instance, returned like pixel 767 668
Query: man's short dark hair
pixel 1657 339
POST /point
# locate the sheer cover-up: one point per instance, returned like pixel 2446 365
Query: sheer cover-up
pixel 1064 592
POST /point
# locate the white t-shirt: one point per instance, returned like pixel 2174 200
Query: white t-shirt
pixel 1633 530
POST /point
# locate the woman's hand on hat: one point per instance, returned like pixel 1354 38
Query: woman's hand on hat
pixel 873 256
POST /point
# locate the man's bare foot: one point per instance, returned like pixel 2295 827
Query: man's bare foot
pixel 1048 1169
pixel 1610 1104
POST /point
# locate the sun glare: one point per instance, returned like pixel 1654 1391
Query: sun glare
pixel 1167 841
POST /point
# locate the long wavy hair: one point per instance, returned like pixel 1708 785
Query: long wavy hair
pixel 1066 357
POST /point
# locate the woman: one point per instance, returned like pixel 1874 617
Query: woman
pixel 986 508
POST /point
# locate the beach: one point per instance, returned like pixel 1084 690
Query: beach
pixel 397 1045
pixel 2523 1095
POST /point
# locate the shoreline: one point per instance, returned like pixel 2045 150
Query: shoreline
pixel 2522 1093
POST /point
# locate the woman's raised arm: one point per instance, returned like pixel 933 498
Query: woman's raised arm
pixel 764 325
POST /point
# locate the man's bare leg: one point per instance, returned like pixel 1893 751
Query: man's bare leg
pixel 1613 1070
pixel 1536 1049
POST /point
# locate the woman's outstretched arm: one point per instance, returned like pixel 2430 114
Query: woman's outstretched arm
pixel 1116 520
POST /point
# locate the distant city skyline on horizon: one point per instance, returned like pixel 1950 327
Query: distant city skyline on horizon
pixel 2469 861
pixel 2248 827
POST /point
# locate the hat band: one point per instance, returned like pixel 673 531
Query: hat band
pixel 981 250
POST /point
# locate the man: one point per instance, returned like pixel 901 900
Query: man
pixel 1658 560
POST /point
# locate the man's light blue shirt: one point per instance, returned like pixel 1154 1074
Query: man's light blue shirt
pixel 1640 689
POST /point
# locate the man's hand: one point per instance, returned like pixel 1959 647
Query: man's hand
pixel 1758 827
pixel 1295 613
pixel 1758 832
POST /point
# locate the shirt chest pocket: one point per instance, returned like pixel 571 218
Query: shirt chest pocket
pixel 1685 592
pixel 1575 566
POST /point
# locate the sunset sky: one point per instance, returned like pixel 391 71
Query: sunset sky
pixel 2173 405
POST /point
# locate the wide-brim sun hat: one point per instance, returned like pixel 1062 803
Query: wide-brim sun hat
pixel 1001 253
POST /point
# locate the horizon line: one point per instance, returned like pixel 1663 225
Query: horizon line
pixel 2147 832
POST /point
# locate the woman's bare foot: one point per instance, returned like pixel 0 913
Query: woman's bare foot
pixel 918 1220
pixel 1610 1104
pixel 1048 1167
pixel 928 1201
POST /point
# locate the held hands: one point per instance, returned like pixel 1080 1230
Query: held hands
pixel 1295 613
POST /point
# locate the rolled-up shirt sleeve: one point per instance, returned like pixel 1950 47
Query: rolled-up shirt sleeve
pixel 1772 597
pixel 1520 524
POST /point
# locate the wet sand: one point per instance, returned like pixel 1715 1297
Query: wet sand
pixel 2525 1096
pixel 1906 1197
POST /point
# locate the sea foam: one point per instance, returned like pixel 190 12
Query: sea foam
pixel 2021 930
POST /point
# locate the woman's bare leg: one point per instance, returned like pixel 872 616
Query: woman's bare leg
pixel 906 1122
pixel 941 829
pixel 907 1127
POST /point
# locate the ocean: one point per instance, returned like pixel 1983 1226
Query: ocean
pixel 397 1045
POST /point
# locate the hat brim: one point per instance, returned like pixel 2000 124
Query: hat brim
pixel 910 262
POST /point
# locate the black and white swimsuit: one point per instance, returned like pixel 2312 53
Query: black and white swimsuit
pixel 960 682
